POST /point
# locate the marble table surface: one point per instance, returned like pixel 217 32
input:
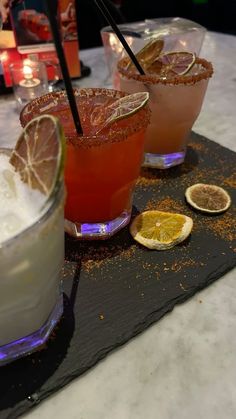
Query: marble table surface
pixel 183 366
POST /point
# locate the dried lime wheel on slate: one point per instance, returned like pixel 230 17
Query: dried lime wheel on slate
pixel 160 230
pixel 208 198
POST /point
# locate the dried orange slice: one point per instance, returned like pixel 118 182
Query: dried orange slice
pixel 173 63
pixel 160 230
pixel 208 198
pixel 39 154
pixel 124 107
pixel 149 53
pixel 156 67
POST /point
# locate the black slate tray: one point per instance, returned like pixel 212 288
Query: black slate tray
pixel 116 289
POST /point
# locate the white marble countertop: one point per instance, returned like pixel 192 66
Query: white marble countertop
pixel 183 366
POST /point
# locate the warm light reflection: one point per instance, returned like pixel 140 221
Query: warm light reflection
pixel 116 45
pixel 4 56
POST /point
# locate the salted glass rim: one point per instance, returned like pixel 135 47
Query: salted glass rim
pixel 174 80
pixel 52 203
pixel 116 134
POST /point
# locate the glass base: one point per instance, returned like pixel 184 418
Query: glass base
pixel 31 343
pixel 96 231
pixel 163 161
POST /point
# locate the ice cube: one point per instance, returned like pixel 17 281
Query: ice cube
pixel 10 224
pixel 9 178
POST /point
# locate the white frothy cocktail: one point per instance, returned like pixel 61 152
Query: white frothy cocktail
pixel 20 205
pixel 31 258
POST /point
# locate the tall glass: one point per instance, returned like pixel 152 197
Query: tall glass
pixel 101 170
pixel 30 283
pixel 175 103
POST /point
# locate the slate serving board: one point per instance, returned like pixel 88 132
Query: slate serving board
pixel 115 289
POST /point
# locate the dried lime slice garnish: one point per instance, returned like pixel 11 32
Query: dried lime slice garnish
pixel 39 154
pixel 124 107
pixel 208 198
pixel 175 63
pixel 149 53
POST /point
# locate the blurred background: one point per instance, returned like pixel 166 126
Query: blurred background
pixel 215 15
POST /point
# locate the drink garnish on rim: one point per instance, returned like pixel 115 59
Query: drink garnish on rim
pixel 102 117
pixel 39 154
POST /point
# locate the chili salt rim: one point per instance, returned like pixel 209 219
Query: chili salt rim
pixel 115 134
pixel 153 79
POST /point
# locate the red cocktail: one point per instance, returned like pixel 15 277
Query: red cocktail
pixel 102 169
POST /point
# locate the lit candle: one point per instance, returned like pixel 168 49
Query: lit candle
pixel 27 71
pixel 29 80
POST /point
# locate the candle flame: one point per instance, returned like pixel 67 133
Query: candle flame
pixel 27 71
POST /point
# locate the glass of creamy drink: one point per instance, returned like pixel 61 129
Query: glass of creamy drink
pixel 176 82
pixel 31 258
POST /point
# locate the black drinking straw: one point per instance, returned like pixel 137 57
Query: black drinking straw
pixel 52 16
pixel 100 4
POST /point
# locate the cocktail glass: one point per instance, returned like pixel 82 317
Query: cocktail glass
pixel 30 282
pixel 175 103
pixel 101 170
pixel 179 35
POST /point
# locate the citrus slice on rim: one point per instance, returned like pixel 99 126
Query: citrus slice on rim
pixel 148 53
pixel 160 230
pixel 173 63
pixel 39 154
pixel 156 67
pixel 208 198
pixel 124 107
